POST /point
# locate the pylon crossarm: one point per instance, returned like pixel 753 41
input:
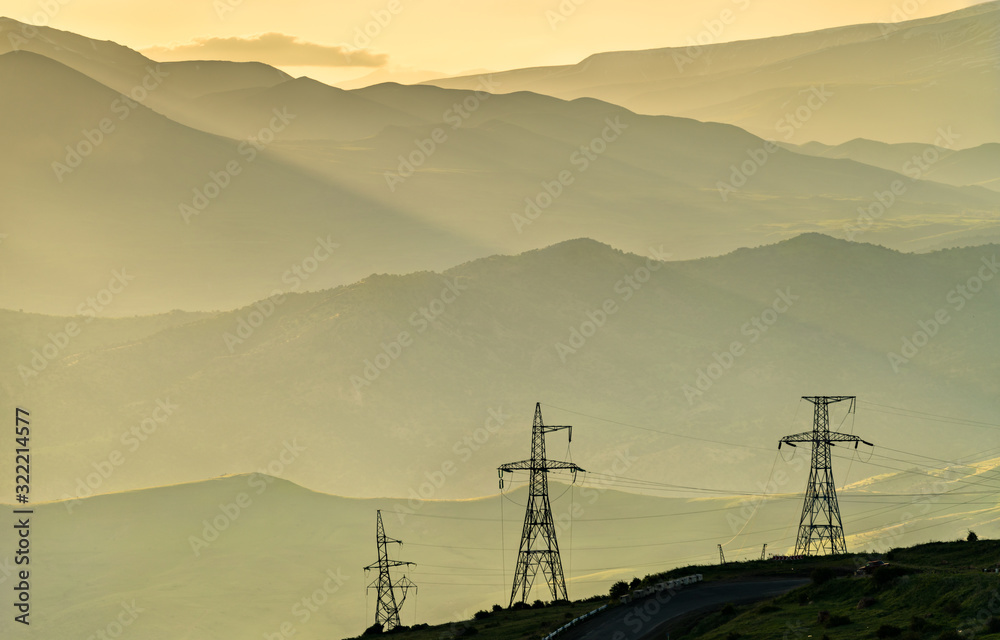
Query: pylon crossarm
pixel 523 465
pixel 555 465
pixel 846 437
pixel 808 436
pixel 828 399
pixel 540 465
pixel 548 428
pixel 831 436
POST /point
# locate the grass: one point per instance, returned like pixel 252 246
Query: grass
pixel 523 624
pixel 930 591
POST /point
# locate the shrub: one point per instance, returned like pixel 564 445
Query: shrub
pixel 481 615
pixel 537 604
pixel 951 606
pixel 497 608
pixel 972 537
pixel 885 575
pixel 838 621
pixel 373 630
pixel 618 589
pixel 729 609
pixel 821 575
pixel 918 623
pixel 888 631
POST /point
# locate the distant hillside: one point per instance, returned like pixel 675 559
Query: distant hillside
pixel 978 166
pixel 206 222
pixel 124 69
pixel 894 82
pixel 578 326
pixel 145 198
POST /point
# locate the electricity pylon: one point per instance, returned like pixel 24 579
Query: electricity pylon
pixel 387 609
pixel 820 526
pixel 539 548
pixel 722 555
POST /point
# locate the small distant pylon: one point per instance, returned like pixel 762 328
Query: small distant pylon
pixel 539 549
pixel 722 555
pixel 820 526
pixel 387 608
pixel 763 552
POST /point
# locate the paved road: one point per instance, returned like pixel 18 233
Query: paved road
pixel 650 617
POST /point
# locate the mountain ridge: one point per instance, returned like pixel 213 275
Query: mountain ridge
pixel 580 322
pixel 706 81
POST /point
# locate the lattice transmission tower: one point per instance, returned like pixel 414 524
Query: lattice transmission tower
pixel 539 549
pixel 387 607
pixel 820 527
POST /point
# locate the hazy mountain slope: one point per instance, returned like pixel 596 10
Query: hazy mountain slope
pixel 665 180
pixel 437 177
pixel 896 83
pixel 322 112
pixel 330 368
pixel 75 210
pixel 978 166
pixel 289 556
pixel 123 69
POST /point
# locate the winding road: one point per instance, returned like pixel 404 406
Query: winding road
pixel 651 617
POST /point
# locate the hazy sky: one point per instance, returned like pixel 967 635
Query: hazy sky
pixel 441 35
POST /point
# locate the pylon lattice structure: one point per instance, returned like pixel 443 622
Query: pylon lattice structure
pixel 820 527
pixel 387 608
pixel 539 549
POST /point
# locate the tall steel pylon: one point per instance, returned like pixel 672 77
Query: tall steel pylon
pixel 820 526
pixel 387 609
pixel 539 548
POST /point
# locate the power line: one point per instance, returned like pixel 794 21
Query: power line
pixel 931 416
pixel 660 431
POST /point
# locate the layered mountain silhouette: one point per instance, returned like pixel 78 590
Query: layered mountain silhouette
pixel 721 347
pixel 210 190
pixel 897 82
pixel 977 166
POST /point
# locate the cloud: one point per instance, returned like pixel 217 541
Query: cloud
pixel 273 48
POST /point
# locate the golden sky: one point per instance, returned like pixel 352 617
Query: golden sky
pixel 448 36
